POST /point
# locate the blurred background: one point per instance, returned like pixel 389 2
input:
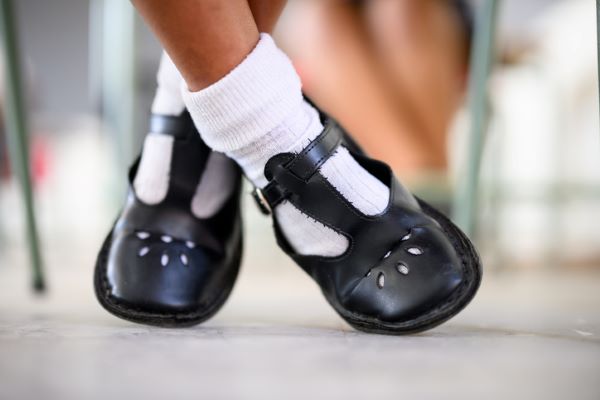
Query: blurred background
pixel 89 77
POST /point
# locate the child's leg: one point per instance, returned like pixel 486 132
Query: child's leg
pixel 266 13
pixel 173 255
pixel 341 72
pixel 423 48
pixel 152 178
pixel 402 266
pixel 206 39
pixel 151 182
pixel 246 100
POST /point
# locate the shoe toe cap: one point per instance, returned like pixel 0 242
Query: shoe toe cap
pixel 416 276
pixel 160 274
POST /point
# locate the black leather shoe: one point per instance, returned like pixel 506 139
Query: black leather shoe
pixel 406 270
pixel 160 265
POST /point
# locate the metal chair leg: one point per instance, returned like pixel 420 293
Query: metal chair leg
pixel 16 130
pixel 118 77
pixel 482 54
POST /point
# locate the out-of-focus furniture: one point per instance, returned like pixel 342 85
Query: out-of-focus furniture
pixel 482 57
pixel 113 59
pixel 17 134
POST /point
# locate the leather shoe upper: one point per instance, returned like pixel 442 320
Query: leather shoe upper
pixel 162 259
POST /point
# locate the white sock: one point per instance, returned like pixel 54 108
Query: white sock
pixel 215 187
pixel 151 182
pixel 256 112
pixel 168 100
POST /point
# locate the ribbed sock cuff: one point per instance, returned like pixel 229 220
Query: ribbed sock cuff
pixel 254 98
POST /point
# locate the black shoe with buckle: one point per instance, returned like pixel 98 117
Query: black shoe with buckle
pixel 160 264
pixel 406 270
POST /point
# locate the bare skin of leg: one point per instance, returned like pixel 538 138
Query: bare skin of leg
pixel 183 30
pixel 423 49
pixel 266 13
pixel 341 74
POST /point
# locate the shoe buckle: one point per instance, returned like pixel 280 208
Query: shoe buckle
pixel 261 201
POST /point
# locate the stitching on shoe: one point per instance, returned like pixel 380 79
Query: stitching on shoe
pixel 333 228
pixel 348 204
pixel 315 142
pixel 308 150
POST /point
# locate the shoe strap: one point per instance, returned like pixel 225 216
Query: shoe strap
pixel 303 166
pixel 177 126
pixel 309 160
pixel 189 155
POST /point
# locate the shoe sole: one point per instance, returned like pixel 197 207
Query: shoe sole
pixel 164 320
pixel 455 303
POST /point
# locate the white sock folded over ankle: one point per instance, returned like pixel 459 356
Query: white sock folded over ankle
pixel 257 111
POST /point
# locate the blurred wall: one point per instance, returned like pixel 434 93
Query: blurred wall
pixel 55 41
pixel 54 38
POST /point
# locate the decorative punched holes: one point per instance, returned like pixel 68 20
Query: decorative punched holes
pixel 184 259
pixel 143 251
pixel 142 235
pixel 402 268
pixel 415 251
pixel 164 260
pixel 380 280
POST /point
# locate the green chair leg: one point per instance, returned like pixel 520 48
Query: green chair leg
pixel 482 55
pixel 16 129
